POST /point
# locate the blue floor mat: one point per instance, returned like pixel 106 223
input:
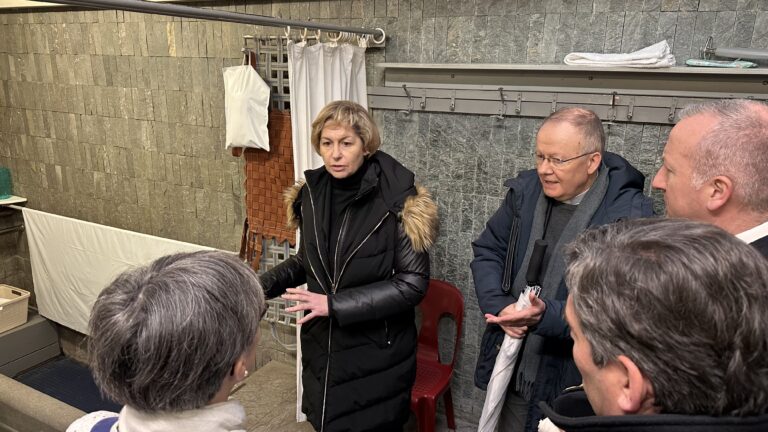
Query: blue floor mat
pixel 69 382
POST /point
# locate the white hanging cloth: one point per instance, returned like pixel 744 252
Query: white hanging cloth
pixel 73 260
pixel 319 74
pixel 246 103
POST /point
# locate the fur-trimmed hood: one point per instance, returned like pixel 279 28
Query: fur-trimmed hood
pixel 420 219
pixel 291 199
pixel 418 215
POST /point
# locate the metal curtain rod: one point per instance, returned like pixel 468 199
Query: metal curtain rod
pixel 210 14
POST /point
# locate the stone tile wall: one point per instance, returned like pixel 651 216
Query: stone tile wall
pixel 110 119
pixel 117 117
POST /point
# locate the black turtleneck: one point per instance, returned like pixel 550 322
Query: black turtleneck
pixel 343 192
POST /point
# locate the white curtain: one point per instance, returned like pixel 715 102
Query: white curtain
pixel 319 74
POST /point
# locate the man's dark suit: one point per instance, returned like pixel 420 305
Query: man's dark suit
pixel 761 245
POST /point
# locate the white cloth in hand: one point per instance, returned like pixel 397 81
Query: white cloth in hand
pixel 496 391
pixel 546 425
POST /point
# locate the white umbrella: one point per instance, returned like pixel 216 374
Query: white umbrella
pixel 502 372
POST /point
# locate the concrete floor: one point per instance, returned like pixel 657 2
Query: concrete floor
pixel 269 398
pixel 441 425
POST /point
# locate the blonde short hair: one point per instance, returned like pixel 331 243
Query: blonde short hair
pixel 350 114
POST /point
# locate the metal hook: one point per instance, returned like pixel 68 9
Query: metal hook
pixel 503 108
pixel 709 49
pixel 407 112
pixel 671 115
pixel 333 41
pixel 612 109
pixel 611 112
pixel 304 35
pixel 287 32
pixel 362 40
pixel 246 50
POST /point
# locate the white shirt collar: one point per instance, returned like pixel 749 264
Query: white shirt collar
pixel 577 199
pixel 755 233
pixel 220 417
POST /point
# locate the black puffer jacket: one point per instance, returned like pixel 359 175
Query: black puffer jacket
pixel 382 272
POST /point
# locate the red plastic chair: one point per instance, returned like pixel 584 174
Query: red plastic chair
pixel 432 377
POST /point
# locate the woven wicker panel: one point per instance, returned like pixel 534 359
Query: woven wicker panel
pixel 267 175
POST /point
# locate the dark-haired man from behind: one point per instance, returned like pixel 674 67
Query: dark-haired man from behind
pixel 669 328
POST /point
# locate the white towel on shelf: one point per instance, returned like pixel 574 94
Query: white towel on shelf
pixel 655 56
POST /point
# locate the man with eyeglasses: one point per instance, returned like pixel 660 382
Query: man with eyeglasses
pixel 715 168
pixel 576 184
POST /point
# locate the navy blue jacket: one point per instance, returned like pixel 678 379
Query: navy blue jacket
pixel 499 255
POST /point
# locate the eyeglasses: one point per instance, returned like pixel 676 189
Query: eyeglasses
pixel 556 162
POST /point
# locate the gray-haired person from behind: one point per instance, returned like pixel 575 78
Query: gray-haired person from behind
pixel 670 330
pixel 170 340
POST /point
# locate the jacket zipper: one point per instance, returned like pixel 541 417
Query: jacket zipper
pixel 327 368
pixel 330 325
pixel 333 290
pixel 386 333
pixel 506 282
pixel 317 246
pixel 338 279
pixel 334 285
pixel 338 243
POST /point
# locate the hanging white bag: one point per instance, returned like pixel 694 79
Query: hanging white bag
pixel 246 101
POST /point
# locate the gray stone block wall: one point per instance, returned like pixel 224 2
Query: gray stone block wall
pixel 117 117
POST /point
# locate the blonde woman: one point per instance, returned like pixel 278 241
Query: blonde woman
pixel 365 231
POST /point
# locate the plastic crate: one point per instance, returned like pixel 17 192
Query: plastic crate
pixel 13 307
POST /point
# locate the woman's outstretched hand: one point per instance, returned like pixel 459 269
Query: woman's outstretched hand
pixel 305 300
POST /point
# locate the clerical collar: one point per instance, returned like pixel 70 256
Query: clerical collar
pixel 577 199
